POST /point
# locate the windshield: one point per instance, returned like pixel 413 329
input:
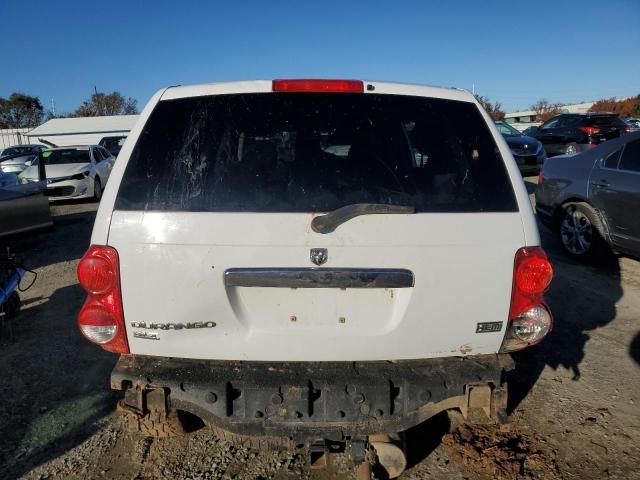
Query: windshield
pixel 506 129
pixel 283 152
pixel 67 155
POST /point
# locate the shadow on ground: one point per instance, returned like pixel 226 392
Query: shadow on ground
pixel 55 384
pixel 634 348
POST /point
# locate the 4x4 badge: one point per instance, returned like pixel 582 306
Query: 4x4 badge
pixel 319 255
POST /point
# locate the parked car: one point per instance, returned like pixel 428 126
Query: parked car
pixel 21 150
pixel 74 172
pixel 571 133
pixel 17 163
pixel 113 144
pixel 592 200
pixel 23 206
pixel 527 151
pixel 634 124
pixel 290 258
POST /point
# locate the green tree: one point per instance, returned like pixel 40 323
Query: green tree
pixel 20 110
pixel 101 104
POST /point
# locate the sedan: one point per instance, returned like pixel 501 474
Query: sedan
pixel 527 151
pixel 17 163
pixel 74 172
pixel 591 200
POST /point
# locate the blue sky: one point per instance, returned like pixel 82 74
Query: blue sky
pixel 513 51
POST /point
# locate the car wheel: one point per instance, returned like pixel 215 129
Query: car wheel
pixel 581 231
pixel 571 148
pixel 97 189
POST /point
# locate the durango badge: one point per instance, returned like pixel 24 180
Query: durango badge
pixel 319 256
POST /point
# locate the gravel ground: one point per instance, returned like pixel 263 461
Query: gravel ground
pixel 575 398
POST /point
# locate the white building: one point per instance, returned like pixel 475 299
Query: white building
pixel 81 130
pixel 527 118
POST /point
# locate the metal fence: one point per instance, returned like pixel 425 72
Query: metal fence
pixel 13 136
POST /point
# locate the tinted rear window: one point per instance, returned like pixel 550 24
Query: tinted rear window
pixel 292 152
pixel 610 120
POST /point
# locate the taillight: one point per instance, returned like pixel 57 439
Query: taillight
pixel 529 317
pixel 308 85
pixel 590 130
pixel 101 318
pixel 540 177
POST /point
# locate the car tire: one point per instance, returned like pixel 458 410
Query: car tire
pixel 581 231
pixel 571 148
pixel 97 189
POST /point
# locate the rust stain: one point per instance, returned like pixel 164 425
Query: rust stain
pixel 464 349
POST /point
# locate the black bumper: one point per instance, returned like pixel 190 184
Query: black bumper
pixel 329 400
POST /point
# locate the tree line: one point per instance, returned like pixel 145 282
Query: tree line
pixel 544 109
pixel 20 110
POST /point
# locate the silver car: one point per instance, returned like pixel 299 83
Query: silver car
pixel 592 200
pixel 17 163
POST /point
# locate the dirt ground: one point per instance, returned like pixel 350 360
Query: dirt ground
pixel 575 399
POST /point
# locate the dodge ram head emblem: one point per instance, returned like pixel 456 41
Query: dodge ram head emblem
pixel 319 255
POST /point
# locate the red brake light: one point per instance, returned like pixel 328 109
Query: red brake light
pixel 96 274
pixel 590 130
pixel 101 318
pixel 309 85
pixel 531 276
pixel 540 177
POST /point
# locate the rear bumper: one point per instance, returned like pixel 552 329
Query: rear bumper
pixel 330 400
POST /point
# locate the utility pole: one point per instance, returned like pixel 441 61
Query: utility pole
pixel 53 107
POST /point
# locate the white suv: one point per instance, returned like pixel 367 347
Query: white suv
pixel 313 259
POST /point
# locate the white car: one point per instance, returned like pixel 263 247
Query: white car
pixel 74 172
pixel 314 260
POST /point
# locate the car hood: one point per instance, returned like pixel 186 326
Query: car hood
pixel 57 171
pixel 521 141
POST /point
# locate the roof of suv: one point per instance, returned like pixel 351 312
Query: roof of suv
pixel 266 86
pixel 589 114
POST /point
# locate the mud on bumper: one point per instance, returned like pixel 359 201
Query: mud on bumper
pixel 328 400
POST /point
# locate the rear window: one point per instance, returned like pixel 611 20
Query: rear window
pixel 605 120
pixel 293 152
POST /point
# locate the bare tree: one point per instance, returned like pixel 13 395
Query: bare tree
pixel 102 104
pixel 20 110
pixel 494 109
pixel 545 110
